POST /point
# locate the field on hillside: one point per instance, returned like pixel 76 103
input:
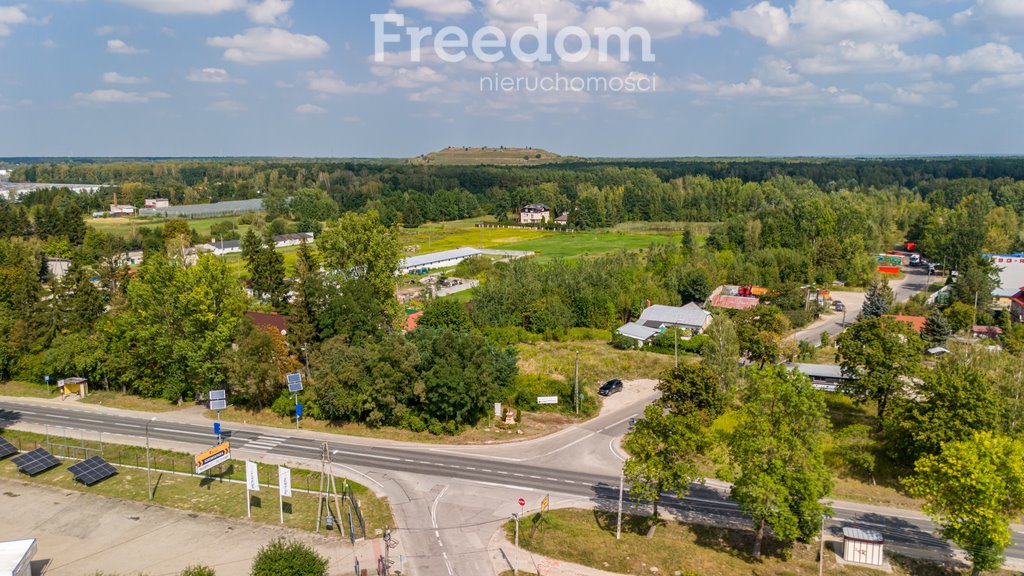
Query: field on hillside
pixel 449 235
pixel 573 245
pixel 476 156
pixel 125 226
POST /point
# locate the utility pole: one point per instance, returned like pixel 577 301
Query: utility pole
pixel 618 523
pixel 149 470
pixel 821 550
pixel 515 569
pixel 576 387
pixel 676 342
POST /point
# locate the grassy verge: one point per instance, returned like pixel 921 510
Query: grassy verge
pixel 25 390
pixel 599 362
pixel 112 399
pixel 532 425
pixel 209 494
pixel 587 537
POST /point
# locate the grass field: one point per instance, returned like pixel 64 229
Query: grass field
pixel 210 494
pixel 112 399
pixel 25 390
pixel 599 362
pixel 125 226
pixel 587 537
pixel 574 245
pixel 499 156
pixel 448 235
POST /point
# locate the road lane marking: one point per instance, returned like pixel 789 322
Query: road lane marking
pixel 433 507
pixel 509 486
pixel 203 434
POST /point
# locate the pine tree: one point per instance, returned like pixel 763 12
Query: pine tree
pixel 878 301
pixel 936 329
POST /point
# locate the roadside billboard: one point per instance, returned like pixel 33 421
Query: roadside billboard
pixel 212 457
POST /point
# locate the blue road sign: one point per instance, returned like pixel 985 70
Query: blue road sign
pixel 298 409
pixel 216 428
pixel 47 378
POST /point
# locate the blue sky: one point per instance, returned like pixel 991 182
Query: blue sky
pixel 299 78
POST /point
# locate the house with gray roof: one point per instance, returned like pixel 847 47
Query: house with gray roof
pixel 658 318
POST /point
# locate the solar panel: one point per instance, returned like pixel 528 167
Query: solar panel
pixel 92 471
pixel 294 378
pixel 6 449
pixel 295 387
pixel 218 395
pixel 218 404
pixel 35 462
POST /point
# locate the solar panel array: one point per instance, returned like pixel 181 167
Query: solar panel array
pixel 92 471
pixel 6 449
pixel 35 462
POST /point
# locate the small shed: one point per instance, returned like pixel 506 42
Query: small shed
pixel 863 546
pixel 77 386
pixel 16 557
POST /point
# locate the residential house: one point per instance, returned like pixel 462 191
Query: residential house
pixel 412 320
pixel 915 322
pixel 986 332
pixel 535 214
pixel 286 240
pixel 563 220
pixel 270 322
pixel 57 268
pixel 826 377
pixel 657 318
pixel 734 298
pixel 221 247
pixel 1017 306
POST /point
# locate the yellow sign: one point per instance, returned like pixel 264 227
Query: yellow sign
pixel 212 457
pixel 544 504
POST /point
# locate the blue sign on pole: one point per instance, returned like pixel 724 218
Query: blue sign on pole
pixel 47 378
pixel 216 428
pixel 298 409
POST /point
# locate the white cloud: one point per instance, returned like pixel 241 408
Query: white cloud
pixel 928 94
pixel 791 90
pixel 326 82
pixel 1004 82
pixel 9 16
pixel 105 30
pixel 209 75
pixel 662 18
pixel 116 46
pixel 438 8
pixel 310 109
pixel 118 97
pixel 258 45
pixel 1002 16
pixel 823 22
pixel 187 6
pixel 866 57
pixel 116 78
pixel 269 11
pixel 408 77
pixel 511 14
pixel 992 58
pixel 49 44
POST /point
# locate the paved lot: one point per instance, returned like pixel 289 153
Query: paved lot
pixel 80 534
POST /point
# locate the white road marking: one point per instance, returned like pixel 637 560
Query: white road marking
pixel 203 434
pixel 433 508
pixel 611 446
pixel 510 486
pixel 377 456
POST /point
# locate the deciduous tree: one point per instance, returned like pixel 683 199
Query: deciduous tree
pixel 879 355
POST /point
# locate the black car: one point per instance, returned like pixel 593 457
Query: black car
pixel 610 387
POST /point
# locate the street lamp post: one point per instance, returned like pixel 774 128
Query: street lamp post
pixel 149 471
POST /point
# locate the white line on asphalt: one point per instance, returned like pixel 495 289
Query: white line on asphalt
pixel 510 486
pixel 58 416
pixel 448 564
pixel 368 455
pixel 126 425
pixel 626 419
pixel 454 453
pixel 182 432
pixel 358 472
pixel 573 443
pixel 91 420
pixel 433 508
pixel 28 412
pixel 611 446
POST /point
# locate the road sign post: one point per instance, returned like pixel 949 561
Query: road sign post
pixel 47 379
pixel 295 386
pixel 218 402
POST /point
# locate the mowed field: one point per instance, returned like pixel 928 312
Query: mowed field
pixel 125 226
pixel 574 245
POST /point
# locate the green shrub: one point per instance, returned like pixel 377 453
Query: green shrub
pixel 284 405
pixel 288 558
pixel 528 387
pixel 620 342
pixel 198 570
pixel 510 335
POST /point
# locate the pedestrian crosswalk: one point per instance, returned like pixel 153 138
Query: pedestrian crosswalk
pixel 264 443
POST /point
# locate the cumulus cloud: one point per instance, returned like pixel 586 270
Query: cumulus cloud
pixel 118 97
pixel 209 75
pixel 187 6
pixel 116 78
pixel 226 106
pixel 10 16
pixel 992 58
pixel 269 11
pixel 1001 16
pixel 438 8
pixel 327 82
pixel 408 77
pixel 116 46
pixel 866 57
pixel 310 109
pixel 662 18
pixel 821 22
pixel 258 45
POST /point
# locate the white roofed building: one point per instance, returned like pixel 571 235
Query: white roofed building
pixel 446 259
pixel 657 318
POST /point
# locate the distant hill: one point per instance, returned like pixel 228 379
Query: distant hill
pixel 496 156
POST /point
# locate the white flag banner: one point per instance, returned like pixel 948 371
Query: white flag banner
pixel 252 476
pixel 284 480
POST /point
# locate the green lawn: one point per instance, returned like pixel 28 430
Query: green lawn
pixel 446 236
pixel 573 245
pixel 125 226
pixel 209 494
pixel 587 537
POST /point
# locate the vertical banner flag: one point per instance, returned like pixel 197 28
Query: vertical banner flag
pixel 284 481
pixel 252 476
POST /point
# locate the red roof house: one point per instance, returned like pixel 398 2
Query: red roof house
pixel 916 322
pixel 270 322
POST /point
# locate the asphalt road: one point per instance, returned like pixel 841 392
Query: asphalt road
pixel 903 532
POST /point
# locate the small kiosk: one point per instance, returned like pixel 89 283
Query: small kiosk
pixel 862 546
pixel 70 386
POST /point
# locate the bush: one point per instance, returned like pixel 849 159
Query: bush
pixel 800 318
pixel 288 558
pixel 198 570
pixel 474 267
pixel 620 342
pixel 510 335
pixel 528 387
pixel 284 405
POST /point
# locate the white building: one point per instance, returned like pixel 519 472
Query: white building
pixel 658 318
pixel 16 557
pixel 1011 275
pixel 57 268
pixel 157 203
pixel 122 210
pixel 221 247
pixel 535 214
pixel 286 240
pixel 445 259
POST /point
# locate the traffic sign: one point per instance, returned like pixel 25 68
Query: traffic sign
pixel 216 428
pixel 298 409
pixel 46 378
pixel 545 503
pixel 522 502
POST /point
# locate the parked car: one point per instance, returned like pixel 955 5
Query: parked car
pixel 610 387
pixel 838 306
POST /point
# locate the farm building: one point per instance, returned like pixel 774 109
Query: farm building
pixel 535 214
pixel 210 210
pixel 157 203
pixel 285 240
pixel 823 376
pixel 657 318
pixel 221 247
pixel 446 259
